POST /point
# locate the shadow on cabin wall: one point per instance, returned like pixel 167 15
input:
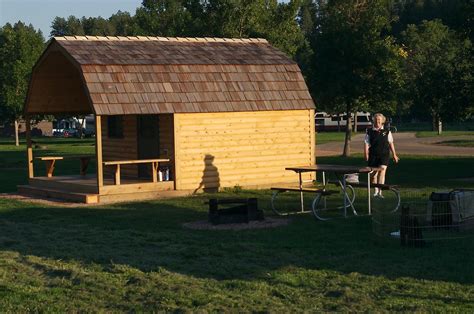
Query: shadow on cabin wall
pixel 210 171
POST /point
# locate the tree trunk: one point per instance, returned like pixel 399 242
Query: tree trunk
pixel 17 140
pixel 355 122
pixel 347 142
pixel 440 126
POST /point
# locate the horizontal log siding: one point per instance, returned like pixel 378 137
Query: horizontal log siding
pixel 250 149
pixel 121 148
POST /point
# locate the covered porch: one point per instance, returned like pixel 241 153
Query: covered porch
pixel 114 177
pixel 110 179
pixel 131 149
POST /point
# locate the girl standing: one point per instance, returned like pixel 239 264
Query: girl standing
pixel 377 147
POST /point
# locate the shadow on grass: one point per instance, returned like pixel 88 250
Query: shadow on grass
pixel 149 236
pixel 419 171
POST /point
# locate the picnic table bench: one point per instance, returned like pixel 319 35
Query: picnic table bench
pixel 51 160
pixel 301 189
pixel 385 187
pixel 118 163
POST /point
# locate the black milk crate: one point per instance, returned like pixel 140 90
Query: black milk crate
pixel 441 211
pixel 240 210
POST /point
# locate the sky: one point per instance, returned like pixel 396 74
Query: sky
pixel 40 13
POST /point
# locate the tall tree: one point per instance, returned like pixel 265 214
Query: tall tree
pixel 440 71
pixel 20 47
pixel 97 26
pixel 123 23
pixel 163 18
pixel 64 27
pixel 356 64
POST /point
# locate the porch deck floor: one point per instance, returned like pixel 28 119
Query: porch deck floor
pixel 84 189
pixel 91 180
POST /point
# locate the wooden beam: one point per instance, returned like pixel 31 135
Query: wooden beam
pixel 84 164
pixel 29 148
pixel 176 150
pixel 117 175
pixel 312 130
pixel 154 170
pixel 50 167
pixel 98 152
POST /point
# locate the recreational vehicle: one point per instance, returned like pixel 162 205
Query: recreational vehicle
pixel 337 122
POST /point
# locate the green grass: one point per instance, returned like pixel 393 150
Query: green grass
pixel 13 163
pixel 421 171
pixel 444 134
pixel 458 143
pixel 137 256
pixel 326 137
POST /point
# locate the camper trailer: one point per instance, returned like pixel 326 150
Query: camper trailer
pixel 337 122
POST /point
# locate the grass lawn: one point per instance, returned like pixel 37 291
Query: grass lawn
pixel 138 257
pixel 444 134
pixel 13 163
pixel 326 137
pixel 458 143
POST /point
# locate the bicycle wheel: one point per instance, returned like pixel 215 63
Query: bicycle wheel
pixel 317 210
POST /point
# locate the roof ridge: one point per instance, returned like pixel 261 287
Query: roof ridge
pixel 158 38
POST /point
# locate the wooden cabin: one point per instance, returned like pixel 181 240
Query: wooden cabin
pixel 215 112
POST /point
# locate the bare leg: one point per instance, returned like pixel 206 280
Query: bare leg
pixel 374 179
pixel 381 176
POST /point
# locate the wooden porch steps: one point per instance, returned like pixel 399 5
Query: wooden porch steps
pixel 141 196
pixel 29 190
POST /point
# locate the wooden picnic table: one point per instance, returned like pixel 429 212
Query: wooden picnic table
pixel 341 171
pixel 51 160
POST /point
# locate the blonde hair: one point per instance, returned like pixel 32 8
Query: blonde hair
pixel 379 115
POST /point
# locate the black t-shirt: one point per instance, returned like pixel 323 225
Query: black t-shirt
pixel 379 150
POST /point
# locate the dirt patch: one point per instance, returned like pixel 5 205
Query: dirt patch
pixel 267 223
pixel 43 201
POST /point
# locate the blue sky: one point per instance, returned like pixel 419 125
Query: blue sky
pixel 41 13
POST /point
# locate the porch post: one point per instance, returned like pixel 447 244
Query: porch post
pixel 98 153
pixel 29 149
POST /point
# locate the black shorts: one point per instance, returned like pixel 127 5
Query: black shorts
pixel 377 161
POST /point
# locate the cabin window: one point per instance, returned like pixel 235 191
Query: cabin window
pixel 115 126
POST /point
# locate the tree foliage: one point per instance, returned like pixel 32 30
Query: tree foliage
pixel 195 18
pixel 440 71
pixel 20 48
pixel 355 61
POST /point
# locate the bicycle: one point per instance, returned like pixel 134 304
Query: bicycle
pixel 391 127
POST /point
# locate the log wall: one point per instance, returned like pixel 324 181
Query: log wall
pixel 247 149
pixel 126 148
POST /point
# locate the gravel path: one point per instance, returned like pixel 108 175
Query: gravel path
pixel 406 143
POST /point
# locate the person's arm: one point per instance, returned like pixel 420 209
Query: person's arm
pixel 366 152
pixel 394 153
pixel 366 146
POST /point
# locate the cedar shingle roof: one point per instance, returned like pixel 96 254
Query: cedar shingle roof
pixel 148 75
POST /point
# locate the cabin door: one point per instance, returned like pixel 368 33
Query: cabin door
pixel 148 142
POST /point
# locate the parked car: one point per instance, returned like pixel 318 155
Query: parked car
pixel 65 132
